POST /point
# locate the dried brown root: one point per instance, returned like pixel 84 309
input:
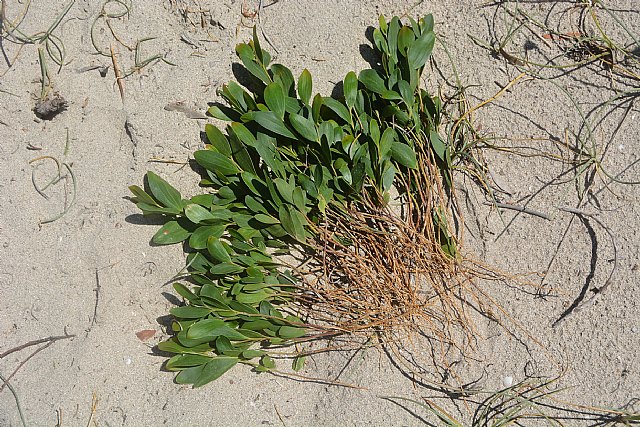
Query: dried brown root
pixel 384 273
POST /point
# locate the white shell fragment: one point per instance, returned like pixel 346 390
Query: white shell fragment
pixel 507 381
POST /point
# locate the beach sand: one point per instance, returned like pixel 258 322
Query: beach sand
pixel 93 274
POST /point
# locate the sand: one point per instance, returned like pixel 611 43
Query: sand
pixel 93 274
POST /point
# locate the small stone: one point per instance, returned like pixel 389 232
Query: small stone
pixel 507 381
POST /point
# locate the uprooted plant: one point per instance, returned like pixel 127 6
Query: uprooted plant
pixel 357 187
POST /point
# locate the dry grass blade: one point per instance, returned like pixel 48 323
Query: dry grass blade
pixel 118 73
pixel 56 178
pixel 15 396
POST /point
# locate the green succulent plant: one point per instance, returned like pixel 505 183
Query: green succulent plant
pixel 285 158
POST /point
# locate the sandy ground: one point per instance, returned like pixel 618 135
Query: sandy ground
pixel 93 274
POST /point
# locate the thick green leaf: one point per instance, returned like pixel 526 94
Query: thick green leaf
pixel 250 354
pixel 211 329
pixel 221 112
pixel 380 42
pixel 426 24
pixel 404 155
pixel 386 142
pixel 226 268
pixel 198 262
pixel 358 174
pixel 190 312
pixel 172 346
pixel 270 121
pixel 293 222
pixel 415 27
pixel 182 361
pixel 256 46
pixel 155 209
pixel 254 205
pixel 350 89
pixel 241 154
pixel 253 297
pixel 203 374
pixel 274 98
pixel 305 86
pixel 374 131
pixel 163 192
pixel 305 127
pixel 217 250
pixel 382 23
pixel 216 162
pixel 205 200
pixel 391 95
pixel 243 134
pixel 197 214
pixel 345 172
pixel 282 75
pixel 405 38
pixel 291 332
pixel 265 146
pixel 285 189
pixel 266 219
pixel 227 194
pixel 247 56
pixel 268 362
pixel 338 108
pixel 235 95
pixel 243 308
pixel 215 369
pixel 217 139
pixel 316 108
pixel 142 196
pixel 198 239
pixel 298 363
pixel 420 50
pixel 388 176
pixel 300 199
pixel 405 91
pixel 213 293
pixel 169 233
pixel 223 344
pixel 258 325
pixel 392 38
pixel 185 292
pixel 372 81
pixel 438 145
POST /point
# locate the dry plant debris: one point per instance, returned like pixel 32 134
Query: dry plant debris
pixel 575 38
pixel 50 106
pixel 530 402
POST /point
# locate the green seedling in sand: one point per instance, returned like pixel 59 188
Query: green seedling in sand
pixel 298 175
pixel 49 46
pixel 113 10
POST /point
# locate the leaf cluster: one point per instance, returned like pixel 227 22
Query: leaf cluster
pixel 285 158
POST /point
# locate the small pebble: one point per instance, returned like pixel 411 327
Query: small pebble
pixel 507 381
pixel 128 360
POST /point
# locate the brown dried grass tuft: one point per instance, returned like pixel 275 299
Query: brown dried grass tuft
pixel 379 272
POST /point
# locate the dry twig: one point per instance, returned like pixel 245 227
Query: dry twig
pixel 36 342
